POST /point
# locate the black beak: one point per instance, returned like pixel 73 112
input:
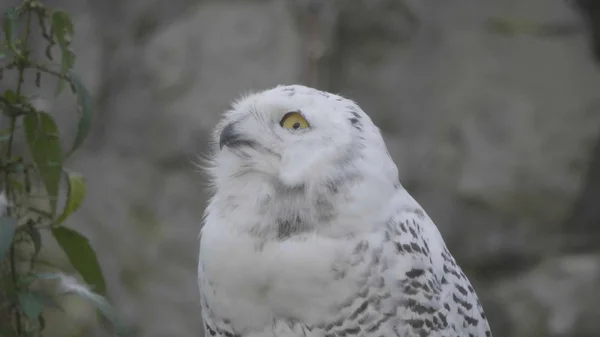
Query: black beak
pixel 231 137
pixel 228 135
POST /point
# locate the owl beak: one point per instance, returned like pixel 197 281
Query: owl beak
pixel 230 137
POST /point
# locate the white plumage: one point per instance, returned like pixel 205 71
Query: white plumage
pixel 310 233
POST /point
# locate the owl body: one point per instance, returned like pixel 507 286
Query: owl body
pixel 310 233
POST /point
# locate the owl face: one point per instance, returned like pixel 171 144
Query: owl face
pixel 294 135
pixel 293 160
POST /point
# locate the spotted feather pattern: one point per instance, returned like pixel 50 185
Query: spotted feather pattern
pixel 395 298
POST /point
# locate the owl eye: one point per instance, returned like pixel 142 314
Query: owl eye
pixel 294 121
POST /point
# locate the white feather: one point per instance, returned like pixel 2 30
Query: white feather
pixel 338 188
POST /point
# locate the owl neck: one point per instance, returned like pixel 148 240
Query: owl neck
pixel 262 207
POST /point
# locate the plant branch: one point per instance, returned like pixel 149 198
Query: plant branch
pixel 48 70
pixel 13 121
pixel 13 272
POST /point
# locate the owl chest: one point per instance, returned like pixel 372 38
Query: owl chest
pixel 300 280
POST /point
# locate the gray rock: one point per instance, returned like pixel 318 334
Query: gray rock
pixel 492 134
pixel 556 298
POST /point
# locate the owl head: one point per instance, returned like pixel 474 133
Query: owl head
pixel 297 136
pixel 298 149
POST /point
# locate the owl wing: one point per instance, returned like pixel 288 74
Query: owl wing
pixel 429 293
pixel 211 328
pixel 213 325
pixel 411 286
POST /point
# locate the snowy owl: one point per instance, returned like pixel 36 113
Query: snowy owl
pixel 309 232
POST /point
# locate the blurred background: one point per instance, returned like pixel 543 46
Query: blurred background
pixel 490 108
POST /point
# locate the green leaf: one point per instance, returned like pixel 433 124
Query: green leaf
pixel 66 63
pixel 9 22
pixel 32 304
pixel 11 96
pixel 9 26
pixel 75 195
pixel 7 232
pixel 44 144
pixel 82 256
pixel 85 106
pixel 17 185
pixel 62 27
pixel 9 103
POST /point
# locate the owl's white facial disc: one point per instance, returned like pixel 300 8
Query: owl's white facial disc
pixel 329 149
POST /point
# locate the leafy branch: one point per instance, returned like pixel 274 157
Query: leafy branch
pixel 31 181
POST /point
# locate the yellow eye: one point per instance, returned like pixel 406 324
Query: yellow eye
pixel 294 121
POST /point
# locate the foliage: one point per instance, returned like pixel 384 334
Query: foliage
pixel 31 181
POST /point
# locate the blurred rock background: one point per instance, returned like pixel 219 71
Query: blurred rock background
pixel 491 110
